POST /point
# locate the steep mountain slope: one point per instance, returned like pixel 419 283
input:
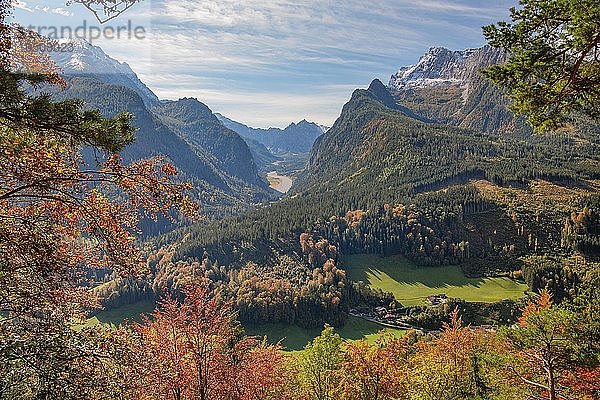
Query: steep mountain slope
pixel 220 188
pixel 152 137
pixel 296 138
pixel 376 151
pixel 263 157
pixel 447 87
pixel 92 61
pixel 196 123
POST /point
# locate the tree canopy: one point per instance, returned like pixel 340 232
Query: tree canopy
pixel 552 72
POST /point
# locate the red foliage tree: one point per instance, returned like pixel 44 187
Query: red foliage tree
pixel 196 350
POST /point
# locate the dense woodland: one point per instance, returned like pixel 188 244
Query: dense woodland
pixel 382 181
pixel 438 216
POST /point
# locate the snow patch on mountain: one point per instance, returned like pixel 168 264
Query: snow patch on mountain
pixel 439 66
pixel 89 60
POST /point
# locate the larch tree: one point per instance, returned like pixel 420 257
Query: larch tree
pixel 545 340
pixel 375 372
pixel 195 349
pixel 319 365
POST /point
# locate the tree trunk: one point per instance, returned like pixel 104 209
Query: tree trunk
pixel 551 383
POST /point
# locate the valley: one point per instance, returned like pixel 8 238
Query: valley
pixel 389 204
pixel 439 241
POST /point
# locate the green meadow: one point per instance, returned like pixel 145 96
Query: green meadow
pixel 411 284
pixel 294 338
pixel 291 337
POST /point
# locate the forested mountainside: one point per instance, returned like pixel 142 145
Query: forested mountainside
pixel 223 187
pixel 386 155
pixel 382 182
pixel 448 87
pixel 196 123
pixel 215 159
pixel 295 138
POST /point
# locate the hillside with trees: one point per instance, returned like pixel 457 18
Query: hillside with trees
pixel 384 180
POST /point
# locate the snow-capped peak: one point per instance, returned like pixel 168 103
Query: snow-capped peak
pixel 82 58
pixel 438 66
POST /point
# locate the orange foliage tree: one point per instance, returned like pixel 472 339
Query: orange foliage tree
pixel 375 372
pixel 60 216
pixel 196 350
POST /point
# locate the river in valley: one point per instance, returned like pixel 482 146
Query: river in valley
pixel 281 183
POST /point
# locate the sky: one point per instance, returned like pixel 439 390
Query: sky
pixel 271 62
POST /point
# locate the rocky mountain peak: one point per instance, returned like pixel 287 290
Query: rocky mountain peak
pixel 448 87
pixel 438 66
pixel 87 59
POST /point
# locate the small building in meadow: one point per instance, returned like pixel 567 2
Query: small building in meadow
pixel 437 299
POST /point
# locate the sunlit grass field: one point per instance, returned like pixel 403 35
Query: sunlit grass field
pixel 292 337
pixel 295 338
pixel 411 284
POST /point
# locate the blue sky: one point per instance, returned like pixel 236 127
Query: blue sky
pixel 271 62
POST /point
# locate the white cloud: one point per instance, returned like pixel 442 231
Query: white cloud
pixel 21 5
pixel 275 60
pixel 62 11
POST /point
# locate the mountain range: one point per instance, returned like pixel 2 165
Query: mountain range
pixel 216 159
pixel 295 138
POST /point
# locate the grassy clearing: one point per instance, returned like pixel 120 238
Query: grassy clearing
pixel 295 338
pixel 129 312
pixel 292 337
pixel 411 284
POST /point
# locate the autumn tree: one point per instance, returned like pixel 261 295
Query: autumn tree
pixel 375 372
pixel 442 368
pixel 545 338
pixel 553 68
pixel 319 363
pixel 60 216
pixel 196 350
pixel 461 363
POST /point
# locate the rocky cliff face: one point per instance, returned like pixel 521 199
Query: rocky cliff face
pixel 448 87
pixel 437 67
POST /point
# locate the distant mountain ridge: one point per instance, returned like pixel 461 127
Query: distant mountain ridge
pixel 296 137
pixel 447 87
